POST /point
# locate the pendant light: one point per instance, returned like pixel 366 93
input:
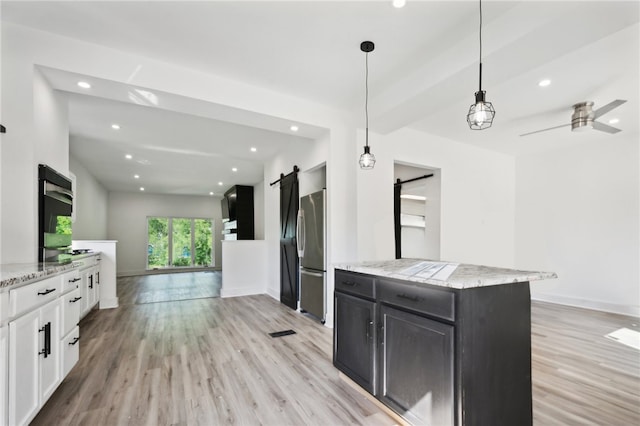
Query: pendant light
pixel 481 113
pixel 367 159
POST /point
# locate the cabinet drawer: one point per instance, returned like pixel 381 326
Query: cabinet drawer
pixel 418 298
pixel 70 350
pixel 70 311
pixel 70 280
pixel 355 283
pixel 31 296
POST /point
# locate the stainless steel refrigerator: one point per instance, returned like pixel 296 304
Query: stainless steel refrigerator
pixel 311 240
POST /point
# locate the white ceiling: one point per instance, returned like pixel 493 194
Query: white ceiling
pixel 422 74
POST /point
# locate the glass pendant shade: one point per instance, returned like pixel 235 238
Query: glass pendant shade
pixel 481 113
pixel 367 159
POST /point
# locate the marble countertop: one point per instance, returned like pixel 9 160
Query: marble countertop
pixel 444 274
pixel 17 274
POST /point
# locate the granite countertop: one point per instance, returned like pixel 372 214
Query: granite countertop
pixel 444 274
pixel 17 274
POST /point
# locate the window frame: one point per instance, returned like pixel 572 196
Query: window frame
pixel 170 243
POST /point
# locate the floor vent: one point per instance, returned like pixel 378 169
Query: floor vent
pixel 282 333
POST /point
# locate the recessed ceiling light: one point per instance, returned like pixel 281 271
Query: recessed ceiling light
pixel 220 183
pixel 544 83
pixel 614 121
pixel 294 128
pixel 211 193
pixel 115 126
pixel 399 3
pixel 142 188
pixel 84 85
pixel 235 169
pixel 128 156
pixel 253 149
pixel 136 176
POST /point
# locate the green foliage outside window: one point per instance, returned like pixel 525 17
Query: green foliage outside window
pixel 158 242
pixel 182 241
pixel 63 225
pixel 203 242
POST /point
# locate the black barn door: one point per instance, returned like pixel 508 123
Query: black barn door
pixel 289 261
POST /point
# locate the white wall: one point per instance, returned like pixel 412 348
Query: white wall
pixel 37 132
pixel 90 204
pixel 258 211
pixel 577 214
pixel 477 196
pixel 127 223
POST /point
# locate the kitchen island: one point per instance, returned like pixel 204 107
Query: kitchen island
pixel 438 343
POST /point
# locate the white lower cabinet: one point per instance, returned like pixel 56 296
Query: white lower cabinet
pixel 34 361
pixel 70 331
pixel 70 350
pixel 4 370
pixel 90 279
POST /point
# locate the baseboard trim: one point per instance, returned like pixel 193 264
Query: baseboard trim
pixel 237 291
pixel 614 308
pixel 109 303
pixel 123 274
pixel 275 295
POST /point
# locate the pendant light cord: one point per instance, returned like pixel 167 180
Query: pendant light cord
pixel 480 83
pixel 366 97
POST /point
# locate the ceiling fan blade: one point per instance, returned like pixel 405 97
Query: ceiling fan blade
pixel 544 130
pixel 608 107
pixel 604 127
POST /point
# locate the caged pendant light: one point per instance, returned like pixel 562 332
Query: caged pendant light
pixel 367 159
pixel 481 113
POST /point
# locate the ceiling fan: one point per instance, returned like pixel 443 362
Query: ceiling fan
pixel 584 118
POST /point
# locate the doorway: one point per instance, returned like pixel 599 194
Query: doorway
pixel 417 202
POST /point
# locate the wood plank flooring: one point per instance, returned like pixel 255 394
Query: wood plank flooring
pixel 210 361
pixel 204 361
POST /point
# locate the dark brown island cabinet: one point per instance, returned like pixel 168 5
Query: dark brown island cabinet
pixel 438 352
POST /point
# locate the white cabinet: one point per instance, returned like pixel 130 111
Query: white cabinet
pixel 89 285
pixel 50 374
pixel 34 361
pixel 24 348
pixel 4 379
pixel 70 350
pixel 70 331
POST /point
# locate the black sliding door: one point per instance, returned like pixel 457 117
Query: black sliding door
pixel 397 190
pixel 289 261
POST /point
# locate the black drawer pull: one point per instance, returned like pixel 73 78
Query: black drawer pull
pixel 74 341
pixel 47 291
pixel 408 297
pixel 74 280
pixel 75 300
pixel 350 283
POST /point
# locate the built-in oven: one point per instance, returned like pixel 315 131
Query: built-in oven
pixel 55 204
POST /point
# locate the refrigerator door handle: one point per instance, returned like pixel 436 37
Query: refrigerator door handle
pixel 313 274
pixel 300 233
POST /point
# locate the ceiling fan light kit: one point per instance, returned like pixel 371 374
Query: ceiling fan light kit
pixel 367 159
pixel 584 118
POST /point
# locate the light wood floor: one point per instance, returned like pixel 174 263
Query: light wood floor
pixel 209 361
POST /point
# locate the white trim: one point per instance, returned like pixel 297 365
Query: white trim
pixel 631 310
pixel 248 290
pixel 109 303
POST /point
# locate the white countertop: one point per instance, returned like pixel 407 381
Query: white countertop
pixel 445 274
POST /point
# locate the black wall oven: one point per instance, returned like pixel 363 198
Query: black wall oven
pixel 55 201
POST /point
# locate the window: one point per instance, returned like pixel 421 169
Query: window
pixel 179 242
